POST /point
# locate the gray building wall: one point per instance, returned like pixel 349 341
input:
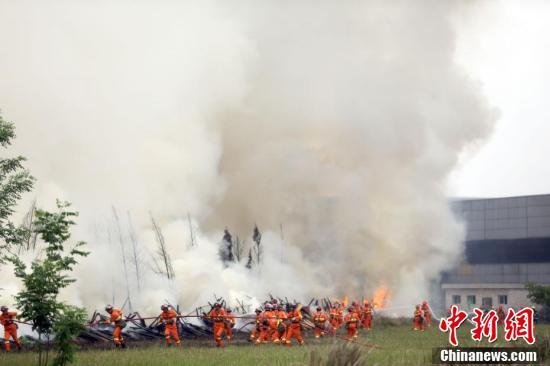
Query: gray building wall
pixel 499 273
pixel 506 294
pixel 505 218
pixel 499 219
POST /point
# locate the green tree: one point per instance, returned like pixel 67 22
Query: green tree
pixel 37 300
pixel 539 294
pixel 15 180
pixel 67 326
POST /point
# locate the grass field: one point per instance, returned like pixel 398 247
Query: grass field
pixel 400 346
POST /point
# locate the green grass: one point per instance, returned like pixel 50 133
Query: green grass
pixel 400 346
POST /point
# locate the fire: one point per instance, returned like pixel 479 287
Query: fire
pixel 380 297
pixel 345 301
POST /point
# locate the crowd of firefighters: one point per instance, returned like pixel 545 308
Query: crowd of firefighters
pixel 276 323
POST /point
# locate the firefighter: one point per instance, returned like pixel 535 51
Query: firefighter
pixel 427 314
pixel 319 320
pixel 217 315
pixel 294 328
pixel 229 324
pixel 352 323
pixel 119 324
pixel 367 315
pixel 356 307
pixel 257 328
pixel 340 311
pixel 501 315
pixel 169 318
pixel 265 327
pixel 273 324
pixel 335 315
pixel 281 326
pixel 418 319
pixel 10 328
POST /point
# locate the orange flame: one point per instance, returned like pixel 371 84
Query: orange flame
pixel 380 297
pixel 345 301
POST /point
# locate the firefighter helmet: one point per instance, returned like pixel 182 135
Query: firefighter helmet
pixel 164 307
pixel 4 309
pixel 109 308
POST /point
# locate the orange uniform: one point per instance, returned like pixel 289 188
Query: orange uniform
pixel 418 319
pixel 319 320
pixel 118 321
pixel 218 317
pixel 264 326
pixel 352 323
pixel 367 316
pixel 427 314
pixel 229 324
pixel 169 318
pixel 294 329
pixel 336 317
pixel 280 333
pixel 10 329
pixel 255 333
pixel 270 326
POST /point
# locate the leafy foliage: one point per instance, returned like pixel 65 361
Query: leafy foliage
pixel 539 294
pixel 15 180
pixel 41 285
pixel 68 325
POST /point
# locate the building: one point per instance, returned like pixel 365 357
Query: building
pixel 507 245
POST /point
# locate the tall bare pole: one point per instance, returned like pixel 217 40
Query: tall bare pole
pixel 135 256
pixel 28 223
pixel 125 266
pixel 191 233
pixel 162 252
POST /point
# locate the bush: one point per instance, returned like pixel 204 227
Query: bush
pixel 69 324
pixel 345 354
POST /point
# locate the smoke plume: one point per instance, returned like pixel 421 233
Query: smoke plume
pixel 331 125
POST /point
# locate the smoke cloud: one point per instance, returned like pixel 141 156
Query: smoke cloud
pixel 332 126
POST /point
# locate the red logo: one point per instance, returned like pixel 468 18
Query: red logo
pixel 520 325
pixel 452 323
pixel 485 326
pixel 517 325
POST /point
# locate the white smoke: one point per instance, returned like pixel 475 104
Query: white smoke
pixel 333 125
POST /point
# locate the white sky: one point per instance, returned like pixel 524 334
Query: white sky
pixel 507 46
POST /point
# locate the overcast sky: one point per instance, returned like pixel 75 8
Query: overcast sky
pixel 507 46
